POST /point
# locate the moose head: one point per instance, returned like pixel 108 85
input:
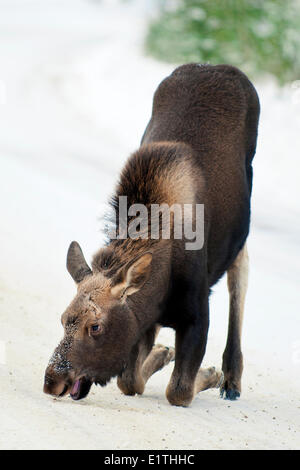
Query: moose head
pixel 100 329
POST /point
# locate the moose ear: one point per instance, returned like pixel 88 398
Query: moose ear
pixel 132 277
pixel 76 264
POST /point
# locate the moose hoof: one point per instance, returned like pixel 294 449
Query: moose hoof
pixel 229 393
pixel 219 379
pixel 162 354
pixel 170 354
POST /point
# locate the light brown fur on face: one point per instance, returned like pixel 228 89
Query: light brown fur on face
pixel 100 303
pixel 84 310
pixel 78 319
pixel 96 295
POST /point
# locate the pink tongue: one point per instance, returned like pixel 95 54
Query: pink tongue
pixel 75 387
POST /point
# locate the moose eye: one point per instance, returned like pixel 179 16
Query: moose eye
pixel 95 329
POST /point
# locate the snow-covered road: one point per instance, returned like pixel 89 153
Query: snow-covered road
pixel 75 96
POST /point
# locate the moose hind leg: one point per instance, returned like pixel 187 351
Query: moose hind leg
pixel 159 357
pixel 237 281
pixel 208 378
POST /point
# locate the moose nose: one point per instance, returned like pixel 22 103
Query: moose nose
pixel 54 386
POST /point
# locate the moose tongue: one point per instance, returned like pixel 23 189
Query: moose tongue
pixel 75 390
pixel 80 388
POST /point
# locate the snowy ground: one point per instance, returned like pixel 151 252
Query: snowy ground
pixel 75 96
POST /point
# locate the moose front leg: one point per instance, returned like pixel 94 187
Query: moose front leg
pixel 237 281
pixel 190 348
pixel 146 359
pixel 130 381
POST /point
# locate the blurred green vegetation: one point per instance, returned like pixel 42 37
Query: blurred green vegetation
pixel 259 36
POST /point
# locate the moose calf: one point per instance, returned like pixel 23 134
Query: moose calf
pixel 197 149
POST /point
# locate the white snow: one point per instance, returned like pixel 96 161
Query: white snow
pixel 76 94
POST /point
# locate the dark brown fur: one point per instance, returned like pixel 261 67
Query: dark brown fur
pixel 197 148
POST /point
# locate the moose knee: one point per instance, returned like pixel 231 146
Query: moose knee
pixel 180 394
pixel 131 387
